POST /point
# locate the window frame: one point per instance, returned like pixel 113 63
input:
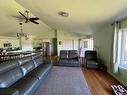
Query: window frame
pixel 123 39
pixel 85 44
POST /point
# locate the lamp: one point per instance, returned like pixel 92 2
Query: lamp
pixel 21 34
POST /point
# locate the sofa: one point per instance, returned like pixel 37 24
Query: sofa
pixel 69 58
pixel 24 75
pixel 91 59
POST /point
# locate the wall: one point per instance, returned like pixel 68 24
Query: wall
pixel 103 43
pixel 24 44
pixel 69 40
pixel 13 40
pixel 89 43
pixel 27 45
pixel 47 35
pixel 36 43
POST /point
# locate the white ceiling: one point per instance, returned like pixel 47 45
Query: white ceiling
pixel 85 16
pixel 9 25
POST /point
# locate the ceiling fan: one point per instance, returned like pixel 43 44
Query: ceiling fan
pixel 29 19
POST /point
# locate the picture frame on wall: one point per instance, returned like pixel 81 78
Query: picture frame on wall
pixel 7 44
pixel 60 43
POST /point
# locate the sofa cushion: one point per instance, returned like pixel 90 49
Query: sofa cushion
pixel 73 56
pixel 8 65
pixel 24 60
pixel 8 91
pixel 91 55
pixel 26 86
pixel 63 61
pixel 26 68
pixel 63 54
pixel 43 68
pixel 10 77
pixel 36 56
pixel 92 62
pixel 73 52
pixel 63 51
pixel 73 61
pixel 38 60
pixel 41 71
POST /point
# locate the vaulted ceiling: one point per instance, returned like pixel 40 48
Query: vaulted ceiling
pixel 85 16
pixel 9 24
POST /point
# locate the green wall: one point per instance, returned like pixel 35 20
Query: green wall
pixel 13 40
pixel 46 35
pixel 103 43
pixel 69 40
pixel 69 35
pixel 60 35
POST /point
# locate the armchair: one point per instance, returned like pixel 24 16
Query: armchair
pixel 91 59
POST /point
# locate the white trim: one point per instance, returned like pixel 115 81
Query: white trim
pixel 122 46
pixel 123 29
pixel 122 62
pixel 119 48
pixel 123 66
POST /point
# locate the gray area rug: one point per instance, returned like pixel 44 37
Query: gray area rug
pixel 64 81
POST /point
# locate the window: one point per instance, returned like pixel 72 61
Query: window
pixel 124 47
pixel 85 44
pixel 88 43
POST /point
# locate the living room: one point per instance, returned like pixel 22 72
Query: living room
pixel 44 47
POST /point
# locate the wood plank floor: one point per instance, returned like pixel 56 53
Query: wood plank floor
pixel 99 82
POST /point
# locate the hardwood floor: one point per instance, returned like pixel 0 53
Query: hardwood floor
pixel 99 82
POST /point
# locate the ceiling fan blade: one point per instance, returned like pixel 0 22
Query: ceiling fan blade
pixel 19 17
pixel 26 21
pixel 23 15
pixel 34 21
pixel 34 18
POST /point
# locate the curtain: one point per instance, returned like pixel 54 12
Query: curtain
pixel 117 47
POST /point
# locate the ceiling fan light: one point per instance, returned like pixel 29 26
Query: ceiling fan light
pixel 22 34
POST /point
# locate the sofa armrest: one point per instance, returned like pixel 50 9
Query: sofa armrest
pixel 77 58
pixel 8 91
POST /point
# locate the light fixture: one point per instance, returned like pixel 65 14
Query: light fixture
pixel 62 13
pixel 21 34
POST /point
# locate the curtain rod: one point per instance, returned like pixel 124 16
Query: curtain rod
pixel 119 21
pixel 125 18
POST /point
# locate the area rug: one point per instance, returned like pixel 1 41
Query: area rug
pixel 64 81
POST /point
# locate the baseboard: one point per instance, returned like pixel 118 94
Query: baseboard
pixel 121 82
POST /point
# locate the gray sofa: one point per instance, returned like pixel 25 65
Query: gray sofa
pixel 69 58
pixel 23 76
